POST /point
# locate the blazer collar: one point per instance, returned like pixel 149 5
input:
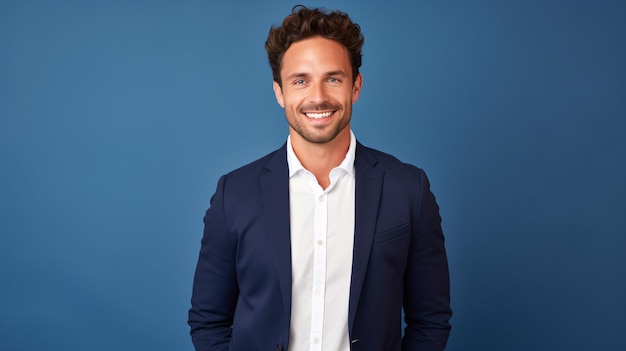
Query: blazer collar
pixel 275 192
pixel 368 187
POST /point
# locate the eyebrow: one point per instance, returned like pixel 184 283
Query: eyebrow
pixel 297 75
pixel 306 75
pixel 337 73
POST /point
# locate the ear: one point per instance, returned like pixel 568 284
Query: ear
pixel 356 88
pixel 278 91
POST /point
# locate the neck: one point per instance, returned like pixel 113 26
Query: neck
pixel 320 159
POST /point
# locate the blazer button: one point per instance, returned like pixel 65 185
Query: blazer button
pixel 279 347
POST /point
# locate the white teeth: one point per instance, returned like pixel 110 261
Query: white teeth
pixel 318 115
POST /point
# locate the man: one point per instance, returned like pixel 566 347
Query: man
pixel 321 244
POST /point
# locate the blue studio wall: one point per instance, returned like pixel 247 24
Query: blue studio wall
pixel 118 117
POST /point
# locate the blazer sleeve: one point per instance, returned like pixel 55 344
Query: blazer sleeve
pixel 427 285
pixel 215 287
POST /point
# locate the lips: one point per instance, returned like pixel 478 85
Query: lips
pixel 318 115
pixel 319 111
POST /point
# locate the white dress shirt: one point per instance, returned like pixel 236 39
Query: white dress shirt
pixel 322 236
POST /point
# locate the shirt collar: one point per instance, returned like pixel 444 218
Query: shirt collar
pixel 347 164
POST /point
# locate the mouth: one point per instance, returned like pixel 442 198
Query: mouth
pixel 319 115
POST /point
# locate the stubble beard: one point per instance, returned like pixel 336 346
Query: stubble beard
pixel 318 138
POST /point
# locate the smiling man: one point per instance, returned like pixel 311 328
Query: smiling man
pixel 321 244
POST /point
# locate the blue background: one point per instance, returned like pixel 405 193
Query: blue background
pixel 118 117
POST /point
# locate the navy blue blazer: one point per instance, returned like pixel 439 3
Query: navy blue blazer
pixel 242 286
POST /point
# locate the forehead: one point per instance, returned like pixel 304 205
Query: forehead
pixel 315 55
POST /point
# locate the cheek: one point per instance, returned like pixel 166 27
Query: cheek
pixel 291 102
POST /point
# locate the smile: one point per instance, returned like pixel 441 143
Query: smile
pixel 318 115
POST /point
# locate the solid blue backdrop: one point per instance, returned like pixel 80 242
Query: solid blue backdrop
pixel 118 117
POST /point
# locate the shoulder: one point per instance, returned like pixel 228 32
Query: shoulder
pixel 244 184
pixel 386 162
pixel 274 159
pixel 245 180
pixel 398 177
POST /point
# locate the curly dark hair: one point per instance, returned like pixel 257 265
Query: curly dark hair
pixel 304 23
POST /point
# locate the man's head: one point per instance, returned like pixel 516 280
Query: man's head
pixel 315 57
pixel 304 23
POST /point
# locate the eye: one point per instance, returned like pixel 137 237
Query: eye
pixel 334 80
pixel 299 82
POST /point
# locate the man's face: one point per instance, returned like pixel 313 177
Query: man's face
pixel 317 90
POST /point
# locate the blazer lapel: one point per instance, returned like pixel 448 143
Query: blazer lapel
pixel 275 192
pixel 368 187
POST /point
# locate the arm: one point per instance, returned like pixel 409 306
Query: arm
pixel 427 286
pixel 215 288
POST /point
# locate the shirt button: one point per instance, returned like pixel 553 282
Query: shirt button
pixel 320 242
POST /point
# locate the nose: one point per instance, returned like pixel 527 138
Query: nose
pixel 318 93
